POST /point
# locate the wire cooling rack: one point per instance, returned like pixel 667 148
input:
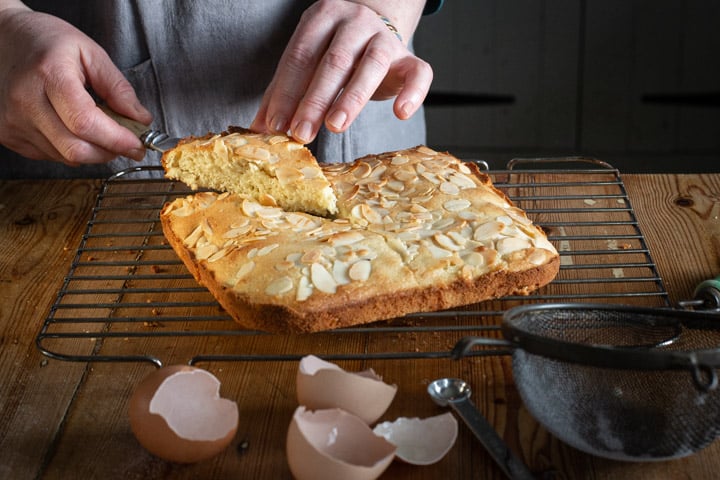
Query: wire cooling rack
pixel 127 297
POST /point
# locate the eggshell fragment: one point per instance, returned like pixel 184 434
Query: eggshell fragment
pixel 420 441
pixel 177 414
pixel 333 444
pixel 323 385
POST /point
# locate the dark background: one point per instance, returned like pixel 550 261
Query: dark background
pixel 635 83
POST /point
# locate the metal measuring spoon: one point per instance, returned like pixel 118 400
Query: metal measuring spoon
pixel 456 393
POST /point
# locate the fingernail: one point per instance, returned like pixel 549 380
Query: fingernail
pixel 407 109
pixel 278 124
pixel 137 154
pixel 141 109
pixel 337 119
pixel 303 131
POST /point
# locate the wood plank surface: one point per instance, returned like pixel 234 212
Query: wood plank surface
pixel 40 224
pixel 62 419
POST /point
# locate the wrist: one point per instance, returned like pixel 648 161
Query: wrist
pixel 401 15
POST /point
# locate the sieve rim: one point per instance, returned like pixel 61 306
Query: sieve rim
pixel 700 362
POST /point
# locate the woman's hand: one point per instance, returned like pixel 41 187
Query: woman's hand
pixel 341 56
pixel 47 68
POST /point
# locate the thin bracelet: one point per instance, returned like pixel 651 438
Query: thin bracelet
pixel 390 26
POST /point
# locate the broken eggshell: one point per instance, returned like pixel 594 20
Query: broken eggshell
pixel 323 385
pixel 334 444
pixel 420 441
pixel 177 414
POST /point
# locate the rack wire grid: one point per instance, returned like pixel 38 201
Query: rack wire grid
pixel 128 298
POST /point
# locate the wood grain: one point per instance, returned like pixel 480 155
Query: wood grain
pixel 41 224
pixel 68 419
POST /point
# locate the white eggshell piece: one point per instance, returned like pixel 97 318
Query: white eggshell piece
pixel 202 415
pixel 324 385
pixel 333 444
pixel 177 414
pixel 420 441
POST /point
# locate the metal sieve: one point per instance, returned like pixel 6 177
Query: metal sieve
pixel 621 382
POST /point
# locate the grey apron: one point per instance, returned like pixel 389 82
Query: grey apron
pixel 202 66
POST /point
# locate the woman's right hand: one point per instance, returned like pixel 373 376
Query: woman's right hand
pixel 47 70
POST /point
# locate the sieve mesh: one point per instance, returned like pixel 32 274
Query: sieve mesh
pixel 619 414
pixel 631 411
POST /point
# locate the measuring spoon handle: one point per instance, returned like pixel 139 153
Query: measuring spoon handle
pixel 508 462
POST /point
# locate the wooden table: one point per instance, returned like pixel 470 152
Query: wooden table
pixel 65 420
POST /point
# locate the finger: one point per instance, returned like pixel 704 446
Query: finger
pixel 371 70
pixel 415 82
pixel 110 84
pixel 342 58
pixel 72 149
pixel 89 134
pixel 35 146
pixel 295 72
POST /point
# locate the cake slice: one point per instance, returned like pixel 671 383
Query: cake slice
pixel 273 169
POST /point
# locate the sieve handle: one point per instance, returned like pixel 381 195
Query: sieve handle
pixel 465 344
pixel 508 462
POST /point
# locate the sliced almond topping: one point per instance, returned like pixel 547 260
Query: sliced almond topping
pixel 362 170
pixel 458 238
pixel 345 238
pixel 438 252
pixel 184 211
pixel 468 215
pixel 340 272
pixel 279 286
pixel 425 150
pixel 275 139
pixel 205 251
pixel 406 176
pixel 456 205
pixel 311 172
pixel 267 249
pixel 312 256
pixel 461 180
pixel 269 212
pixel 399 160
pixel 464 168
pixel 249 207
pixel 253 152
pixel 304 290
pixel 360 271
pixel 379 171
pixel 236 232
pixel 474 259
pixel 233 140
pixel 537 257
pixel 191 240
pixel 207 229
pixel 511 244
pixel 294 257
pixel 217 255
pixel 488 231
pixel 322 279
pixel 370 214
pixel 396 185
pixel 449 188
pixel 242 272
pixel 284 266
pixel 446 242
pixel 288 175
pixel 431 177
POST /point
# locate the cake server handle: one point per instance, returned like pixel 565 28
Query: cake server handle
pixel 151 138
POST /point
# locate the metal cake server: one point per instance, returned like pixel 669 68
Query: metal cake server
pixel 151 138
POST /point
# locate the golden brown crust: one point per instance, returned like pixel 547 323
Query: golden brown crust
pixel 419 231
